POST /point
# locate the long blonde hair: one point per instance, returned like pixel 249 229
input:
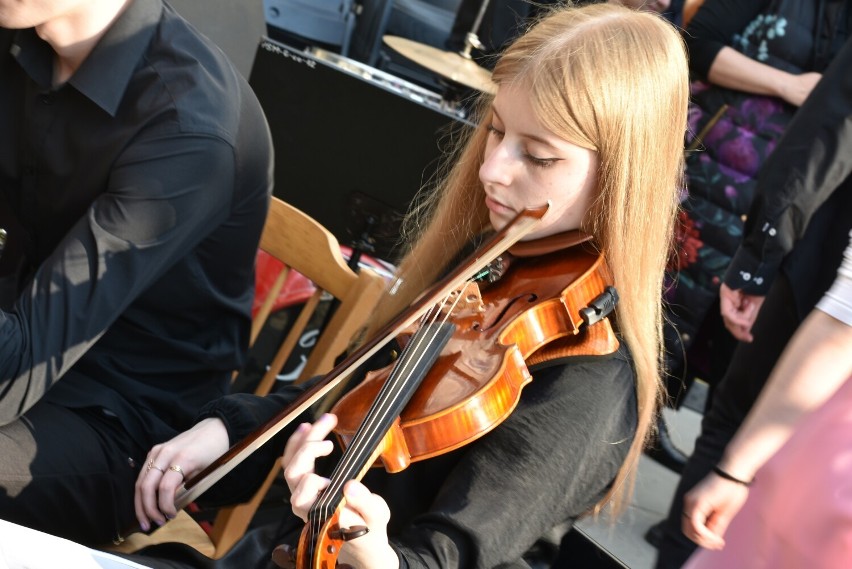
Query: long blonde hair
pixel 613 80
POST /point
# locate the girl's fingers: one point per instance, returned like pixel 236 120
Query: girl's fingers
pixel 296 440
pixel 302 462
pixel 370 509
pixel 304 447
pixel 310 487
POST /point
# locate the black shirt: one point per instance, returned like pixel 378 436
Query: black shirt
pixel 813 31
pixel 480 506
pixel 134 196
pixel 802 209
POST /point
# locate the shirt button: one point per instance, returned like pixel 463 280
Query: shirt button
pixel 772 232
pixel 746 276
pixel 46 99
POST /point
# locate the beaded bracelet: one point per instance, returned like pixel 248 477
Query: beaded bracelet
pixel 730 477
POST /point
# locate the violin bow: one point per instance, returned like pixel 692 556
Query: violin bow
pixel 493 247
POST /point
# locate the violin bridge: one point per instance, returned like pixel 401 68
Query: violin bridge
pixel 468 298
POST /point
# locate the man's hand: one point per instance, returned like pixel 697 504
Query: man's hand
pixel 739 311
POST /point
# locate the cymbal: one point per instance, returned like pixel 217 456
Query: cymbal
pixel 452 66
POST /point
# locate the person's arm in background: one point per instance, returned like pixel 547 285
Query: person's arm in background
pixel 816 363
pixel 734 70
pixel 803 171
pixel 709 36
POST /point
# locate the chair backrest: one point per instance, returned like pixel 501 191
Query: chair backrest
pixel 301 244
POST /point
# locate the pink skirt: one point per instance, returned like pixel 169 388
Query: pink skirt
pixel 799 511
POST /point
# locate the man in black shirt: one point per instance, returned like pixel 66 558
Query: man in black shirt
pixel 135 171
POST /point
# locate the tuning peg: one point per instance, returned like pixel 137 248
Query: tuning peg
pixel 284 557
pixel 348 534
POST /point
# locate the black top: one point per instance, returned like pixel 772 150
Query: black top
pixel 480 506
pixel 815 29
pixel 809 167
pixel 713 27
pixel 135 195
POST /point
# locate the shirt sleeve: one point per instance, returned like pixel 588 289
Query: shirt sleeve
pixel 713 27
pixel 809 163
pixel 164 196
pixel 243 414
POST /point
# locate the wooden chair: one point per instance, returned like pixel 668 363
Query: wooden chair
pixel 302 245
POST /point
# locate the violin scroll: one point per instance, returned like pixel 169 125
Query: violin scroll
pixel 284 556
pixel 320 543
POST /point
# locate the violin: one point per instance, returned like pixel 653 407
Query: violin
pixel 524 222
pixel 462 371
pixel 320 544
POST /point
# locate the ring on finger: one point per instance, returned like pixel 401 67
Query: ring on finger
pixel 178 469
pixel 154 466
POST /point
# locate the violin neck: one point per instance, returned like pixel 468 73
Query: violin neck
pixel 521 225
pixel 415 361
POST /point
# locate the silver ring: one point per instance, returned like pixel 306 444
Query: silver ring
pixel 176 468
pixel 154 466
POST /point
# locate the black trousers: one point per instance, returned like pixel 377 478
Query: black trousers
pixel 69 472
pixel 731 401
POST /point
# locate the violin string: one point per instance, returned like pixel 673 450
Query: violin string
pixel 392 393
pixel 373 420
pixel 334 491
pixel 326 503
pixel 354 453
pixel 519 226
pixel 363 442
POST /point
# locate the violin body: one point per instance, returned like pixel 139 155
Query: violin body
pixel 462 370
pixel 478 377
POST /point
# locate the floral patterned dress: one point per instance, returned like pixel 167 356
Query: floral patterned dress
pixel 730 135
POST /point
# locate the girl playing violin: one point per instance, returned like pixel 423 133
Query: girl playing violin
pixel 589 115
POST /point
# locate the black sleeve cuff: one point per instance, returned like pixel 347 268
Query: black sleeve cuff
pixel 242 413
pixel 750 274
